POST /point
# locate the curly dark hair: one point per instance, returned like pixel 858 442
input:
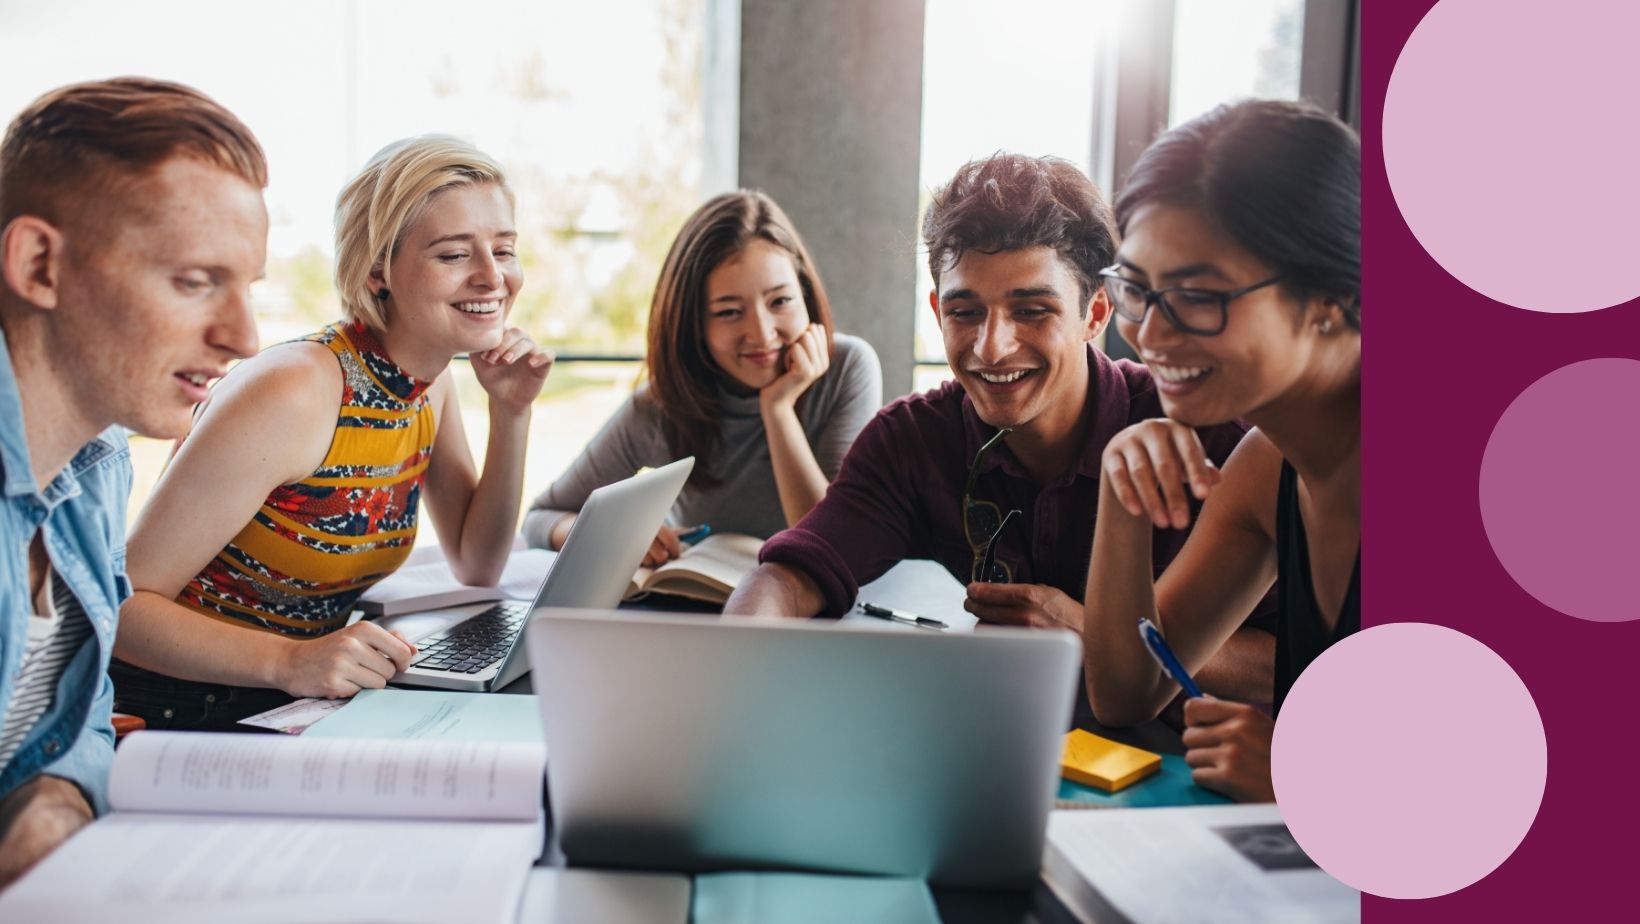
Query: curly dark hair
pixel 1011 202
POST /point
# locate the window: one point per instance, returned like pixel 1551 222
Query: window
pixel 1016 77
pixel 595 110
pixel 1229 51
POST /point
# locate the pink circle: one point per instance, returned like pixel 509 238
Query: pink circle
pixel 1509 153
pixel 1409 760
pixel 1557 489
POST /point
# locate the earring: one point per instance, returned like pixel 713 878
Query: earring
pixel 382 293
pixel 1326 325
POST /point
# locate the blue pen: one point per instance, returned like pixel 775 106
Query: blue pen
pixel 696 534
pixel 1164 656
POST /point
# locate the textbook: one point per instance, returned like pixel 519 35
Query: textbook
pixel 1230 864
pixel 431 585
pixel 216 827
pixel 708 571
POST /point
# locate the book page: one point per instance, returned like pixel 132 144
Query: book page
pixel 1234 864
pixel 185 869
pixel 719 561
pixel 225 773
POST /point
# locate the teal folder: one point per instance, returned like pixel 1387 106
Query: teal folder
pixel 442 715
pixel 1171 785
pixel 799 898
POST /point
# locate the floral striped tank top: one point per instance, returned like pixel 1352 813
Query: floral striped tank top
pixel 315 545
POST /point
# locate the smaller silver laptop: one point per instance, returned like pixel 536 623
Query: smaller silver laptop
pixel 604 548
pixel 696 743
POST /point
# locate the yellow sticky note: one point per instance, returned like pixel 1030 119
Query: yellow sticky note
pixel 1103 763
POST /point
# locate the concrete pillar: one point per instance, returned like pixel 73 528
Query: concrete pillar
pixel 830 126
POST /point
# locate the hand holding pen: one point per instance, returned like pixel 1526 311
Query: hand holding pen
pixel 1227 744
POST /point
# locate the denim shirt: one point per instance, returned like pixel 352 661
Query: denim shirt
pixel 81 514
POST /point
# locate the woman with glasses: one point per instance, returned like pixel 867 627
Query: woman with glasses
pixel 744 373
pixel 1238 283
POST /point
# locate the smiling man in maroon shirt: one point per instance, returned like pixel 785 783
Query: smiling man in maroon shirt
pixel 1014 244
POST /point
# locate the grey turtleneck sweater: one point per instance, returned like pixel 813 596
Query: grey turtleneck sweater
pixel 746 500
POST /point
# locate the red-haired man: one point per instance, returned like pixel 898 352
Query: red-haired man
pixel 131 226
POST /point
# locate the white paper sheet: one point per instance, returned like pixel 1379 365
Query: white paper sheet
pixel 294 718
pixel 920 587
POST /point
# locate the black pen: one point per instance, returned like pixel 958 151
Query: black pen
pixel 910 619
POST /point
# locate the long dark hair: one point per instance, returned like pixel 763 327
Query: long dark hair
pixel 684 381
pixel 1281 178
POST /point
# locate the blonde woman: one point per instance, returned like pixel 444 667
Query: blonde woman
pixel 298 487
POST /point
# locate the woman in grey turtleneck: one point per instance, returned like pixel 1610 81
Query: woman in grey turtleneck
pixel 744 373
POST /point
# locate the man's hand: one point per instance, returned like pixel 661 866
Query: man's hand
pixel 1229 748
pixel 1036 605
pixel 344 662
pixel 34 819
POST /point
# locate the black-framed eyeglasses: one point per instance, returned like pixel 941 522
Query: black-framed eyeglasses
pixel 982 523
pixel 1202 312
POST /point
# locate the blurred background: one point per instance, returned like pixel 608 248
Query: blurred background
pixel 615 119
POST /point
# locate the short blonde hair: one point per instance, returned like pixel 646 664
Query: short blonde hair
pixel 386 199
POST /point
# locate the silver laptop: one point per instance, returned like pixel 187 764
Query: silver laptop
pixel 604 548
pixel 696 743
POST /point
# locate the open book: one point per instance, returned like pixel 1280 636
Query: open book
pixel 709 570
pixel 1234 864
pixel 217 827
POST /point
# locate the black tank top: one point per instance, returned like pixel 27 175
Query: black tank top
pixel 1301 633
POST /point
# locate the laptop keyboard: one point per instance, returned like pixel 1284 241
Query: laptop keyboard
pixel 473 644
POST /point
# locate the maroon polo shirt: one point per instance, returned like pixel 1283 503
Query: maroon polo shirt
pixel 898 494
